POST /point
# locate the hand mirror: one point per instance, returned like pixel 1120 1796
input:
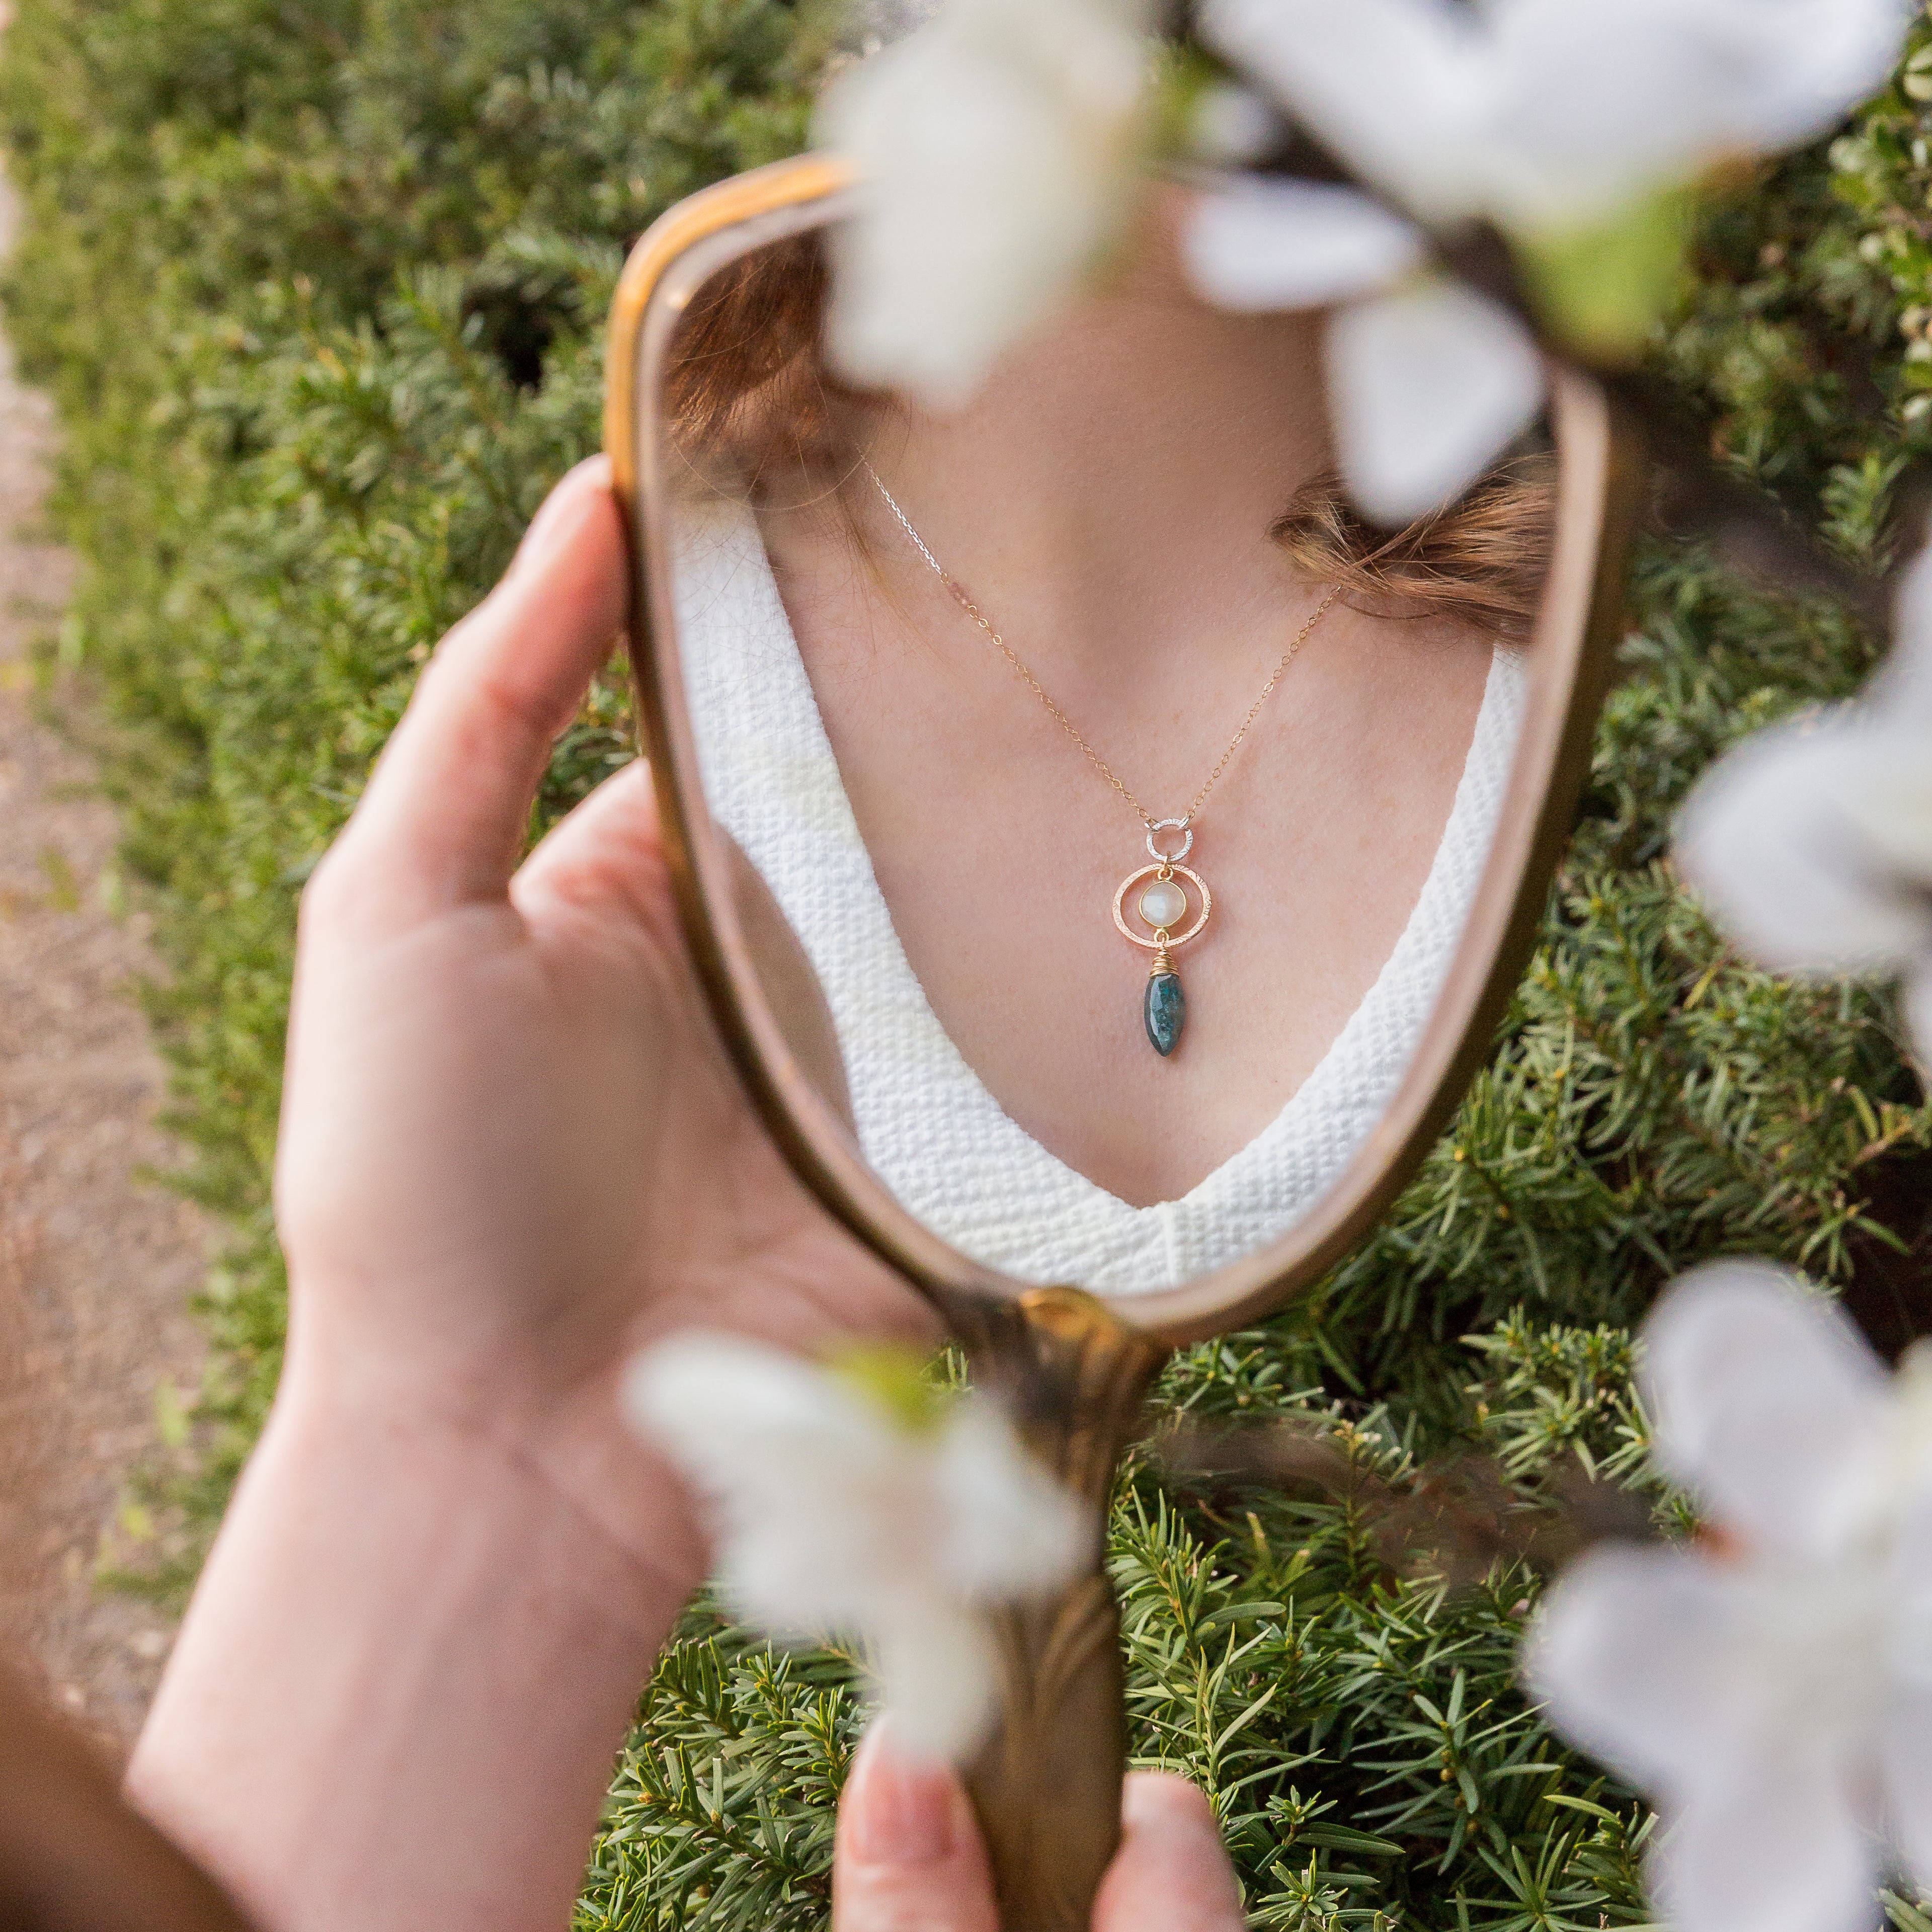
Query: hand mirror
pixel 1105 857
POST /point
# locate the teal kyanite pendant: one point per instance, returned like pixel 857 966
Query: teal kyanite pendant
pixel 1171 905
pixel 1164 1009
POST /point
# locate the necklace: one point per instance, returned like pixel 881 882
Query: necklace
pixel 1163 902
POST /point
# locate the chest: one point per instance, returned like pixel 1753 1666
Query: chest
pixel 1000 843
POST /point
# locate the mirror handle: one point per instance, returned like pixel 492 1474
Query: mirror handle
pixel 1047 1784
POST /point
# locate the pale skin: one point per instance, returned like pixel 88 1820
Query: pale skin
pixel 1105 499
pixel 512 1154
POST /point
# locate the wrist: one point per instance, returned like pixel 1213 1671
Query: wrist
pixel 493 1465
pixel 411 1632
pixel 493 1439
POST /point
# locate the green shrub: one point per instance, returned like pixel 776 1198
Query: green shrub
pixel 319 293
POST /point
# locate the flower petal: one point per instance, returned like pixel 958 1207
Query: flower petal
pixel 730 1401
pixel 1905 1724
pixel 937 1670
pixel 999 144
pixel 1903 689
pixel 1906 1751
pixel 1771 838
pixel 1887 804
pixel 1765 74
pixel 822 1506
pixel 1257 243
pixel 1397 88
pixel 1426 386
pixel 1743 1698
pixel 1774 1841
pixel 1595 103
pixel 1767 1402
pixel 1543 113
pixel 832 1515
pixel 1917 1002
pixel 1644 1656
pixel 1012 1530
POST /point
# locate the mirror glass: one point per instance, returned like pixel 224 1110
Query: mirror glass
pixel 1105 798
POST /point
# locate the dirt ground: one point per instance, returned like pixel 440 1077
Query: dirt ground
pixel 96 1263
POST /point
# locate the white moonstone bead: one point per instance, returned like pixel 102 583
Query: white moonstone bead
pixel 1163 903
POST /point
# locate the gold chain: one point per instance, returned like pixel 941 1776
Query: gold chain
pixel 1022 670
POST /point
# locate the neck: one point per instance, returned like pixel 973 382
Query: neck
pixel 1106 497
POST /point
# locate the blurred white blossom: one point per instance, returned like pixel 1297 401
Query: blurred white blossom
pixel 1001 141
pixel 1770 1685
pixel 1427 379
pixel 1543 114
pixel 854 1502
pixel 1251 242
pixel 1564 122
pixel 1426 385
pixel 999 144
pixel 1811 843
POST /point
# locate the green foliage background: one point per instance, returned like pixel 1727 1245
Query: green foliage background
pixel 319 291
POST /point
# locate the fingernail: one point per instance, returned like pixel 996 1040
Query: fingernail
pixel 898 1806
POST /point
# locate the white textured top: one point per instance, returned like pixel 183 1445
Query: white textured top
pixel 925 1121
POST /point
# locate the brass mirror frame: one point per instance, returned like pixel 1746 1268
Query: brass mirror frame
pixel 1600 474
pixel 1047 1786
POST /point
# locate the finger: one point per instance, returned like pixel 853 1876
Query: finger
pixel 442 820
pixel 908 1856
pixel 1171 1874
pixel 607 853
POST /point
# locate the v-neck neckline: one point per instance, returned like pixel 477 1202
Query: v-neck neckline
pixel 927 1123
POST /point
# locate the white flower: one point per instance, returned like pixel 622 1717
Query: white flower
pixel 1549 117
pixel 837 1513
pixel 1770 1687
pixel 999 144
pixel 1427 379
pixel 1549 114
pixel 1811 843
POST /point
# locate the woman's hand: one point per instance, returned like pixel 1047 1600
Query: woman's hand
pixel 512 1152
pixel 909 1858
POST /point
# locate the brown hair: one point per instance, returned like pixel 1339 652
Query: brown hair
pixel 747 390
pixel 749 394
pixel 1479 560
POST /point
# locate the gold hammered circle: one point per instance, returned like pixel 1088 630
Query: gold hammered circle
pixel 1132 879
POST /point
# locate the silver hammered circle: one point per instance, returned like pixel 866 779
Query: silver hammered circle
pixel 1170 825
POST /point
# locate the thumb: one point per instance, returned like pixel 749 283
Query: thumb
pixel 1171 1874
pixel 908 1856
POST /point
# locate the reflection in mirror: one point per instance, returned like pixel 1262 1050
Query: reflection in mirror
pixel 1126 793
